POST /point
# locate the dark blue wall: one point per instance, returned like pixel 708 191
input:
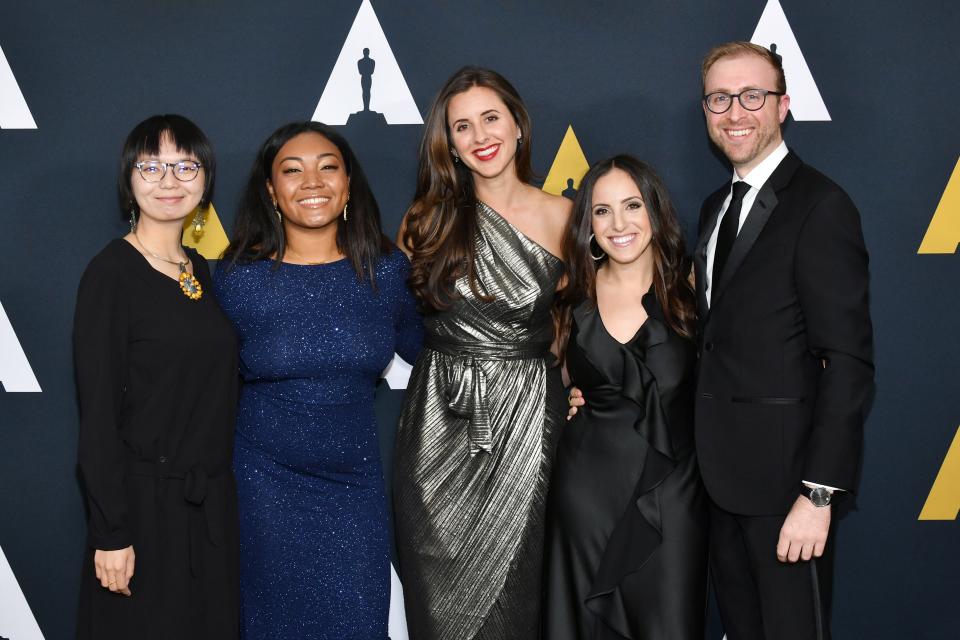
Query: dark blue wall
pixel 624 74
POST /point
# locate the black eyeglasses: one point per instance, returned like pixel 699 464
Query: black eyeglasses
pixel 750 99
pixel 154 170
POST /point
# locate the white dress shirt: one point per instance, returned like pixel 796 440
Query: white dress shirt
pixel 757 177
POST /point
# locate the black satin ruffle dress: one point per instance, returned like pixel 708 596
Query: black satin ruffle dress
pixel 627 528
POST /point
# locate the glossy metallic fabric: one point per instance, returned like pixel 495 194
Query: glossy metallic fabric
pixel 476 438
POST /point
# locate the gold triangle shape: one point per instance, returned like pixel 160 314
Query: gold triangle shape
pixel 943 234
pixel 568 166
pixel 212 239
pixel 943 503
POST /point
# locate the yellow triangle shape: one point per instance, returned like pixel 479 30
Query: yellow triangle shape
pixel 943 503
pixel 568 166
pixel 943 234
pixel 212 239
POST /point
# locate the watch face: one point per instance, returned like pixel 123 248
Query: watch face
pixel 820 497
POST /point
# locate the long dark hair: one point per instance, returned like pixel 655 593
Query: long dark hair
pixel 258 231
pixel 670 263
pixel 144 140
pixel 441 225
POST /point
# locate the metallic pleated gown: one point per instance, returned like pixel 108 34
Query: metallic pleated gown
pixel 477 435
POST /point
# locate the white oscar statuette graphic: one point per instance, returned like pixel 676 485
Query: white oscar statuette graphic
pixel 14 112
pixel 16 618
pixel 366 81
pixel 15 371
pixel 774 32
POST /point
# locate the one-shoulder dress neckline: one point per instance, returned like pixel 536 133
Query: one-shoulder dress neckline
pixel 516 230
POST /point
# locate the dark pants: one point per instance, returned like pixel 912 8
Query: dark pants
pixel 761 598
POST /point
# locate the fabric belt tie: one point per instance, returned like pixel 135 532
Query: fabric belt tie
pixel 209 509
pixel 467 385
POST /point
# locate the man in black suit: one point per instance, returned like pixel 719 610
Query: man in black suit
pixel 786 356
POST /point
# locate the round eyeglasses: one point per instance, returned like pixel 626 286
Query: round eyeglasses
pixel 154 170
pixel 750 99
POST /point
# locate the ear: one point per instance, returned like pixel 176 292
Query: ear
pixel 273 196
pixel 783 107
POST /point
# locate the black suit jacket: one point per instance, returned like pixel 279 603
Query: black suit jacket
pixel 786 346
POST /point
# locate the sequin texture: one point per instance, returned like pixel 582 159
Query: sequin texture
pixel 314 339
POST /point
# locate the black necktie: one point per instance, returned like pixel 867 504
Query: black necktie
pixel 728 230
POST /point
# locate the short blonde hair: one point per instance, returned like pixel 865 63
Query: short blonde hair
pixel 739 48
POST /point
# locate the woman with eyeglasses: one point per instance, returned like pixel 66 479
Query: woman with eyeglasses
pixel 156 373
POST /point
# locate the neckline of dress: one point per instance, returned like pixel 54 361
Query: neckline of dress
pixel 146 263
pixel 517 231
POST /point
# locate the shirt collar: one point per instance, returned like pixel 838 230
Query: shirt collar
pixel 762 172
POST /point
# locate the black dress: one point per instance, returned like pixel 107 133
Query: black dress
pixel 157 383
pixel 627 529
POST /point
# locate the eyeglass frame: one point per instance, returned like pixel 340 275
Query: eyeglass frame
pixel 765 92
pixel 139 167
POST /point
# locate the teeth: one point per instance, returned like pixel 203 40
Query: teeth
pixel 739 133
pixel 317 200
pixel 623 240
pixel 487 152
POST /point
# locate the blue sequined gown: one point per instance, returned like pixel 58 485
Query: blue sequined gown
pixel 314 517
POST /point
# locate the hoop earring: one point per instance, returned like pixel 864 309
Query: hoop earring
pixel 590 242
pixel 133 219
pixel 345 211
pixel 198 222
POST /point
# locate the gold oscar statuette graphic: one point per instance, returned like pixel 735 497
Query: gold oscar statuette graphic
pixel 943 234
pixel 211 240
pixel 568 167
pixel 943 503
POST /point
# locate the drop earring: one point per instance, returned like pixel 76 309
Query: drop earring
pixel 345 211
pixel 198 222
pixel 133 219
pixel 277 211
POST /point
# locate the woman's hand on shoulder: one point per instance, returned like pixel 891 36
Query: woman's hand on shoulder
pixel 114 569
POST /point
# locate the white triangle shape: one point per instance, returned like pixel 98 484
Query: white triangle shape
pixel 14 112
pixel 397 373
pixel 16 619
pixel 389 93
pixel 15 371
pixel 397 625
pixel 805 100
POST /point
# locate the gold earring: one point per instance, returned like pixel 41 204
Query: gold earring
pixel 198 222
pixel 345 211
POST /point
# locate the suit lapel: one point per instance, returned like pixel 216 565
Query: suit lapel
pixel 714 202
pixel 760 213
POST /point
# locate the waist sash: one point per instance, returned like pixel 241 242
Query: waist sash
pixel 467 386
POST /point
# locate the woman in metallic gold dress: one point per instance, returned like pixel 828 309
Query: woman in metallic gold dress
pixel 484 405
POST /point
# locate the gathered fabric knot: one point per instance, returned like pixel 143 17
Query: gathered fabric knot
pixel 466 392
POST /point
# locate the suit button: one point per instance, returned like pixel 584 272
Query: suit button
pixel 162 459
pixel 708 346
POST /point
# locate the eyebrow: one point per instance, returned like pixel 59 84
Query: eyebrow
pixel 481 115
pixel 299 159
pixel 627 199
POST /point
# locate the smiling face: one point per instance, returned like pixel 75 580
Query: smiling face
pixel 169 200
pixel 309 182
pixel 619 217
pixel 745 137
pixel 483 132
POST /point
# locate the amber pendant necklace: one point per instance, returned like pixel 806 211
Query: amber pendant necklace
pixel 189 284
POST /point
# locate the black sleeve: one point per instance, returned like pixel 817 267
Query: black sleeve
pixel 100 337
pixel 832 278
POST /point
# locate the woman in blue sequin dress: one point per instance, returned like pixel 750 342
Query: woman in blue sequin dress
pixel 320 303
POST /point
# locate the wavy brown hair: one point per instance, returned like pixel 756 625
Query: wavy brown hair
pixel 440 227
pixel 670 263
